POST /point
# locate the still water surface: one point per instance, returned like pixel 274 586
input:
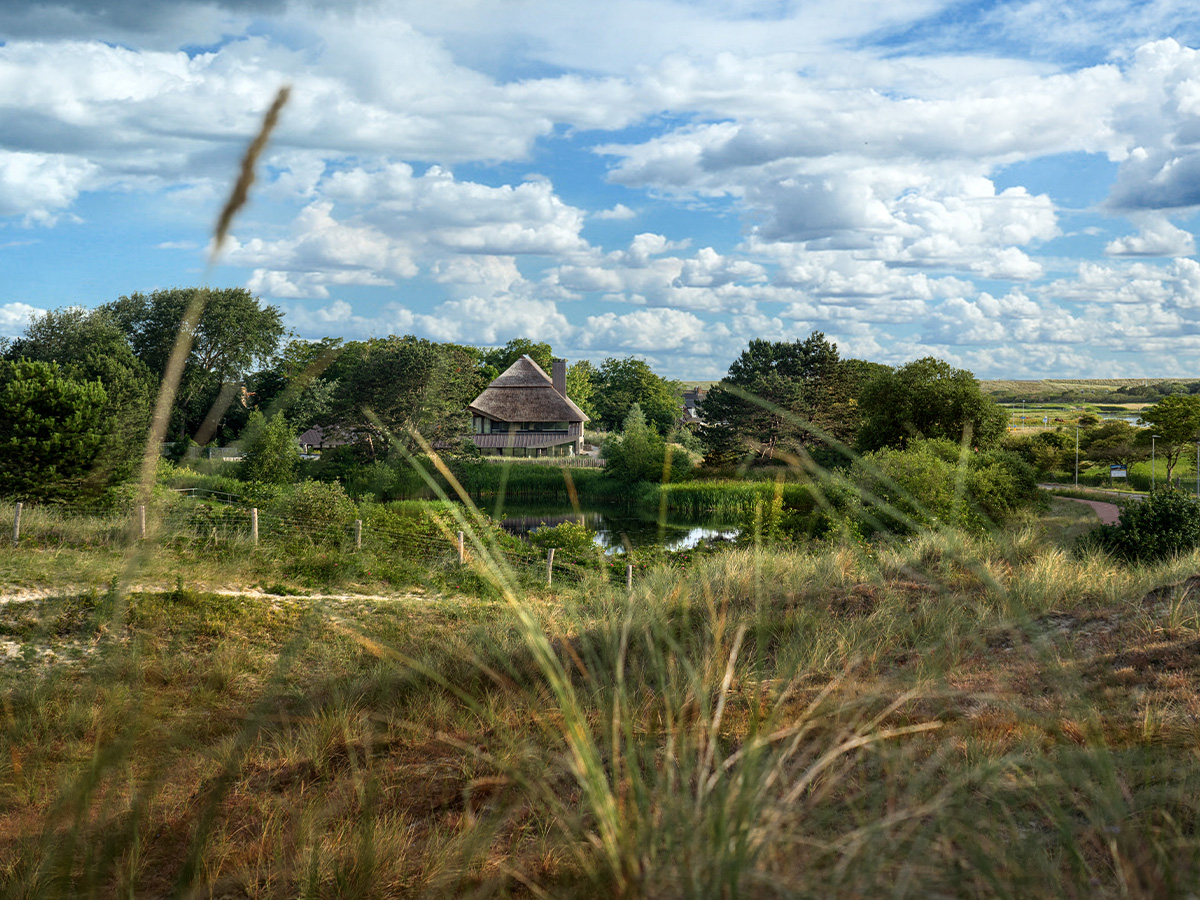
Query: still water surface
pixel 617 528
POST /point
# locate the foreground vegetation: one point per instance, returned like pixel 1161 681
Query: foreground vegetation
pixel 950 714
pixel 907 678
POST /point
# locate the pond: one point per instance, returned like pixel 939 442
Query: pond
pixel 617 528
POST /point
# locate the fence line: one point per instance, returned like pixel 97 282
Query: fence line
pixel 558 462
pixel 233 521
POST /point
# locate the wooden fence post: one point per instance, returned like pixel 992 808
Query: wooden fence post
pixel 358 534
pixel 17 525
pixel 141 521
pixel 550 567
pixel 629 577
pixel 462 550
pixel 254 525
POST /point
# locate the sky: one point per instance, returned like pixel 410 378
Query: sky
pixel 1010 186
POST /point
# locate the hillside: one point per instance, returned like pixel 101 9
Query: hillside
pixel 1036 386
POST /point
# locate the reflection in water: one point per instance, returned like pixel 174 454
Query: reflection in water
pixel 616 530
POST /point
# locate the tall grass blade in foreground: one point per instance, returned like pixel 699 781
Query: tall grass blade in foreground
pixel 195 309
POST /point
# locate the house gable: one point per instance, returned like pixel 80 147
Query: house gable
pixel 523 409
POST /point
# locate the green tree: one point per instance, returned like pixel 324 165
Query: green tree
pixel 88 346
pixel 637 453
pixel 1050 451
pixel 620 383
pixel 297 382
pixel 498 359
pixel 272 455
pixel 50 432
pixel 581 386
pixel 783 395
pixel 387 386
pixel 1113 442
pixel 233 334
pixel 1175 420
pixel 928 398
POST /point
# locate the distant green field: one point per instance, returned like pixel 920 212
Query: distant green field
pixel 1040 386
pixel 1044 385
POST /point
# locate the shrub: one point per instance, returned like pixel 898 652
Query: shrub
pixel 574 537
pixel 1001 482
pixel 272 454
pixel 769 522
pixel 321 512
pixel 933 483
pixel 1165 524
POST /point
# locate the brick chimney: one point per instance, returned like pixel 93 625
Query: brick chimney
pixel 558 369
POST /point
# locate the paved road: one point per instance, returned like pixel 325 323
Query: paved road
pixel 1109 513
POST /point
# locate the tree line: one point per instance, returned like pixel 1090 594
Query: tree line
pixel 79 386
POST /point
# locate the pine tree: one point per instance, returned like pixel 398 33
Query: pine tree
pixel 51 429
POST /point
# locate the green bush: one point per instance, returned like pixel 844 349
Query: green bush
pixel 272 454
pixel 408 524
pixel 574 537
pixel 932 483
pixel 1001 482
pixel 770 521
pixel 637 454
pixel 318 512
pixel 1165 524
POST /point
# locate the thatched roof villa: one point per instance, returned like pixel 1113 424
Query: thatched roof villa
pixel 525 412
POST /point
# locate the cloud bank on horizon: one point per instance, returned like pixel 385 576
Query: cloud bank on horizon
pixel 1011 186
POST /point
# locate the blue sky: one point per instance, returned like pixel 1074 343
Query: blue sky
pixel 1011 186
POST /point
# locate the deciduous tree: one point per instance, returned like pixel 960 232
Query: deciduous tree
pixel 581 386
pixel 272 455
pixel 234 333
pixel 637 453
pixel 1175 420
pixel 620 383
pixel 498 359
pixel 1114 441
pixel 387 386
pixel 928 398
pixel 298 382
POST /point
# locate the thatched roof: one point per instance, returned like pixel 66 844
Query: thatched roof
pixel 524 393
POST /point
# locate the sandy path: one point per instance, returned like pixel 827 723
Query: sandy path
pixel 25 595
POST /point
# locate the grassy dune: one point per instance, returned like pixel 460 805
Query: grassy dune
pixel 947 716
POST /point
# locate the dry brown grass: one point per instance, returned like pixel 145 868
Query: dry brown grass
pixel 952 715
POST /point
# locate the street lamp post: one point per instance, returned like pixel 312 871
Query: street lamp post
pixel 1077 454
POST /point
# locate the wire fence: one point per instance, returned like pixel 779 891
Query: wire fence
pixel 559 462
pixel 206 520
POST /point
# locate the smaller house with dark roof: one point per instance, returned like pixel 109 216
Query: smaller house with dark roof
pixel 525 412
pixel 692 398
